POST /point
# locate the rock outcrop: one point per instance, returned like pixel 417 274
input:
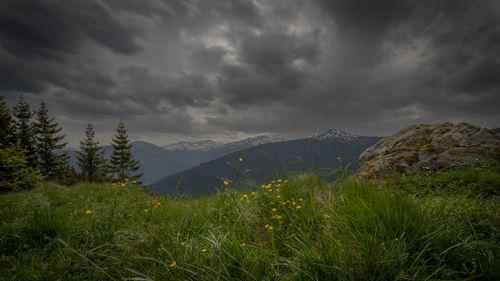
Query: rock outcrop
pixel 430 147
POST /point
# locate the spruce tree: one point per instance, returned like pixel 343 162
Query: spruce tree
pixel 123 166
pixel 91 157
pixel 47 141
pixel 24 132
pixel 6 125
pixel 15 171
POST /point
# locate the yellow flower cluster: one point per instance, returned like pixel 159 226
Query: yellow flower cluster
pixel 124 182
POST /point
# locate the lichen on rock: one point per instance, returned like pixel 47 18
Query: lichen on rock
pixel 430 147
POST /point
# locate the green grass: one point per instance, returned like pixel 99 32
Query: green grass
pixel 442 226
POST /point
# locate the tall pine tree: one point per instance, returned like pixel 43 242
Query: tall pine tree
pixel 6 125
pixel 47 141
pixel 91 157
pixel 123 166
pixel 24 131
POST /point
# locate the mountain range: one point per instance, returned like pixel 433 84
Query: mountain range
pixel 158 162
pixel 265 161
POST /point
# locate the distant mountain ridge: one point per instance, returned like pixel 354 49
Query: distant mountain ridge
pixel 263 161
pixel 207 145
pixel 157 162
pixel 333 135
pixel 204 145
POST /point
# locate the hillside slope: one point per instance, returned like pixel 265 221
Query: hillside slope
pixel 264 161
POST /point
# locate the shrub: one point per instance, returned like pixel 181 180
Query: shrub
pixel 15 172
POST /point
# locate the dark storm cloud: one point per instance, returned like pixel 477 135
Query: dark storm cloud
pixel 255 66
pixel 40 42
pixel 51 28
pixel 186 90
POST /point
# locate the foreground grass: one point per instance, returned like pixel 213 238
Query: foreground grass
pixel 426 227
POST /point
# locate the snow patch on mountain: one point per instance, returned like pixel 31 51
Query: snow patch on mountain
pixel 204 145
pixel 250 142
pixel 333 135
pixel 207 145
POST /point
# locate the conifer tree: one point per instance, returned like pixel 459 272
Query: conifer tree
pixel 123 166
pixel 47 142
pixel 15 172
pixel 91 157
pixel 6 125
pixel 24 132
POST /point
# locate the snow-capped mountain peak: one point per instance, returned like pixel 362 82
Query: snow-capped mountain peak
pixel 207 145
pixel 247 143
pixel 204 145
pixel 333 135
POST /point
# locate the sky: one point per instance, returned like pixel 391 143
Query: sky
pixel 187 70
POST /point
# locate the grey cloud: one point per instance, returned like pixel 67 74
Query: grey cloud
pixel 50 28
pixel 250 67
pixel 268 66
pixel 145 87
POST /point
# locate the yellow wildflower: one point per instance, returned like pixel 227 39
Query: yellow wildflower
pixel 204 250
pixel 266 226
pixel 279 196
pixel 298 207
pixel 286 180
pixel 263 186
pixel 279 217
pixel 240 159
pixel 270 228
pixel 173 264
pixel 396 239
pixel 113 184
pixel 273 209
pixel 253 193
pixel 133 181
pixel 279 180
pixel 123 185
pixel 300 199
pixel 273 181
pixel 243 244
pixel 477 159
pixel 226 182
pixel 245 196
pixel 183 243
pixel 88 212
pixel 284 203
pixel 278 185
pixel 126 179
pixel 146 210
pixel 270 190
pixel 158 203
pixel 241 199
pixel 294 203
pixel 338 158
pixel 277 189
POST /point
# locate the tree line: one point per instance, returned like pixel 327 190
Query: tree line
pixel 31 150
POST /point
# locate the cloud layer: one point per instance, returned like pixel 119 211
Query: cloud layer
pixel 175 70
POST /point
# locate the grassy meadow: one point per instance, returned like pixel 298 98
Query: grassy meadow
pixel 432 226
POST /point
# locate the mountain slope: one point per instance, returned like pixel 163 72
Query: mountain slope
pixel 157 162
pixel 263 161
